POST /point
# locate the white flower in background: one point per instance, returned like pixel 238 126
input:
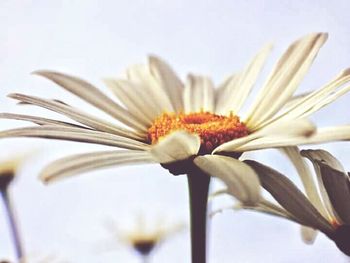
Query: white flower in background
pixel 145 236
pixel 160 119
pixel 8 170
pixel 9 167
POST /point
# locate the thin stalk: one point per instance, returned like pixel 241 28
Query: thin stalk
pixel 198 185
pixel 12 224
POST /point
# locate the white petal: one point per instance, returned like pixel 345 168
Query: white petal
pixel 326 101
pixel 300 127
pixel 315 100
pixel 167 79
pixel 317 155
pixel 262 207
pixel 322 135
pixel 95 97
pixel 295 100
pixel 141 75
pixel 241 181
pixel 270 208
pixel 77 115
pixel 285 78
pixel 133 99
pixel 223 92
pixel 38 120
pixel 306 177
pixel 198 94
pixel 289 197
pixel 75 164
pixel 75 134
pixel 240 88
pixel 176 146
pixel 337 184
pixel 308 234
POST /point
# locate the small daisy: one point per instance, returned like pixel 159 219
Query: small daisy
pixel 331 216
pixel 144 237
pixel 8 169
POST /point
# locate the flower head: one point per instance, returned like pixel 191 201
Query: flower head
pixel 8 169
pixel 161 119
pixel 144 237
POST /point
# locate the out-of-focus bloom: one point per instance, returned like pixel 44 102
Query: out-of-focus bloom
pixel 331 216
pixel 160 119
pixel 144 237
pixel 8 168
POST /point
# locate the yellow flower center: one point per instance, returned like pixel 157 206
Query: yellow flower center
pixel 213 129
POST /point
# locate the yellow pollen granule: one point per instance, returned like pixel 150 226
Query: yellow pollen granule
pixel 213 129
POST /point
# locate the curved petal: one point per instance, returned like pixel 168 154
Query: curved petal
pixel 239 89
pixel 141 75
pixel 198 94
pixel 337 185
pixel 308 234
pixel 79 163
pixel 131 95
pixel 333 183
pixel 285 78
pixel 241 181
pixel 315 100
pixel 77 115
pixel 92 95
pixel 74 134
pixel 167 79
pixel 306 177
pixel 176 146
pixel 38 120
pixel 290 197
pixel 300 128
pixel 322 135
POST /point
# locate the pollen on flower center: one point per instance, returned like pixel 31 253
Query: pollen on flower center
pixel 213 129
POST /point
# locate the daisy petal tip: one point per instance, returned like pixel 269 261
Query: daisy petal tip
pixel 42 73
pixel 176 146
pixel 217 150
pixel 152 58
pixel 45 179
pixel 13 95
pixel 345 72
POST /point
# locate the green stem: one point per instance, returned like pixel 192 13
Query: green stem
pixel 12 224
pixel 198 184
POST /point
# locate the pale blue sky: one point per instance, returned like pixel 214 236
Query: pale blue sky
pixel 95 39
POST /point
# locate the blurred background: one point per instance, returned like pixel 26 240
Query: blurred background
pixel 96 39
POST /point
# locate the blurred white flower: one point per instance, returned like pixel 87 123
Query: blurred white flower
pixel 144 236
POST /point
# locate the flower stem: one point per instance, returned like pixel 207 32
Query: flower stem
pixel 198 184
pixel 12 224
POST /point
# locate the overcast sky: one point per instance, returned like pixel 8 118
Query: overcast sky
pixel 96 39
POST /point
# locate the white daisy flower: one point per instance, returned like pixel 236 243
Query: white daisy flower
pixel 144 236
pixel 160 119
pixel 192 128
